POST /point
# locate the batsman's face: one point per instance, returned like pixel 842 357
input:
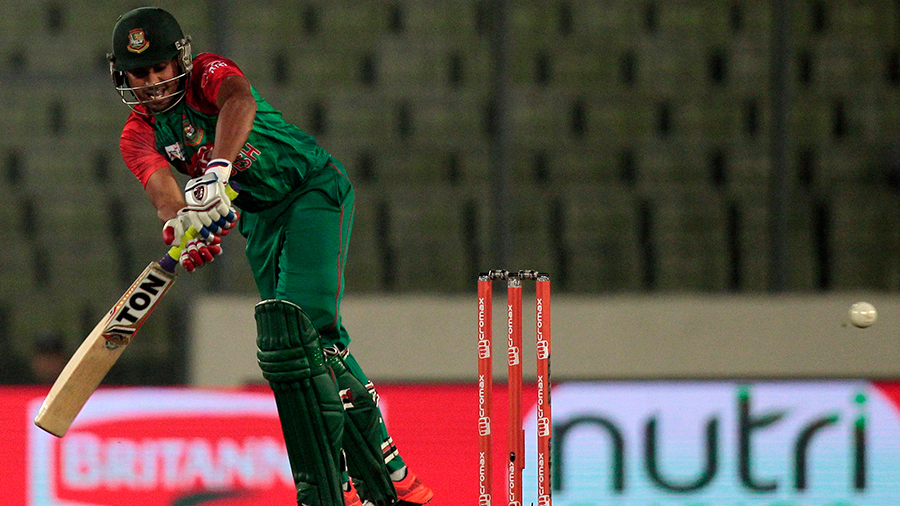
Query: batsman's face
pixel 155 85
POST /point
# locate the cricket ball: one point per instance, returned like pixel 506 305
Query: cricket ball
pixel 863 314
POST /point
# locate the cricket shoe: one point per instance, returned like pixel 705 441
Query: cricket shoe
pixel 351 498
pixel 411 491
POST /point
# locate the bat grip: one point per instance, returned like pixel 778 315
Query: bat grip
pixel 170 260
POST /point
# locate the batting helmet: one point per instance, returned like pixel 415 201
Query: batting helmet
pixel 142 37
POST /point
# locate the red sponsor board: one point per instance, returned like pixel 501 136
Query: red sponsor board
pixel 222 447
pixel 162 461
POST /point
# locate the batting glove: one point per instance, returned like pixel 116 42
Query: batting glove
pixel 208 206
pixel 174 229
pixel 197 252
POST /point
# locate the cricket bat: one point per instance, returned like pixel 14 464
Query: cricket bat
pixel 103 346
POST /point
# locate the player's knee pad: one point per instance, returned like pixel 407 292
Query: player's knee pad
pixel 309 406
pixel 362 435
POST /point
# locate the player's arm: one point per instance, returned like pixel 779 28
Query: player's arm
pixel 208 202
pixel 237 109
pixel 138 146
pixel 165 194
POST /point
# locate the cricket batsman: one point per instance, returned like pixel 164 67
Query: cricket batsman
pixel 200 115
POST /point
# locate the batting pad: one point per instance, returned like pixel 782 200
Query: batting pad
pixel 309 405
pixel 362 437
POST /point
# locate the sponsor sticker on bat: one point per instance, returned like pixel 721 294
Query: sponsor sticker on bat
pixel 136 305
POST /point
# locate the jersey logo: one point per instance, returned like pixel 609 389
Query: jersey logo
pixel 137 41
pixel 192 136
pixel 174 152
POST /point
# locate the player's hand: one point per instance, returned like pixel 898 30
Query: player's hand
pixel 208 206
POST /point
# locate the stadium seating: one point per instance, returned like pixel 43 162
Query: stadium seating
pixel 641 149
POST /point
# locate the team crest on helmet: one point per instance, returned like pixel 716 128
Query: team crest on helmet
pixel 137 41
